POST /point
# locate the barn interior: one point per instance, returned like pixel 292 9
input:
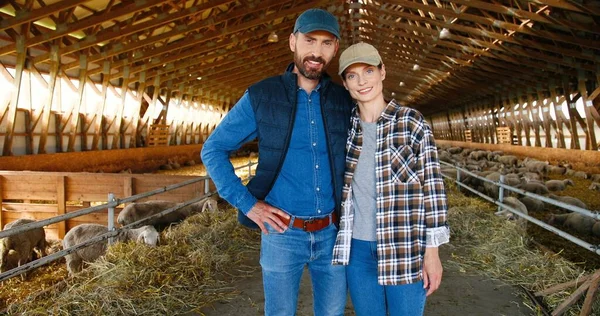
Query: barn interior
pixel 94 75
pixel 93 86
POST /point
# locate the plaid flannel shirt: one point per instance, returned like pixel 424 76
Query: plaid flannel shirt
pixel 411 200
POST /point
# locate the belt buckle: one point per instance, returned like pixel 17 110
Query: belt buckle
pixel 308 221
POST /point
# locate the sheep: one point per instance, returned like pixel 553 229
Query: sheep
pixel 84 232
pixel 595 177
pixel 533 204
pixel 557 170
pixel 136 211
pixel 558 185
pixel 507 160
pixel 445 156
pixel 577 222
pixel 517 205
pixel 577 174
pixel 190 163
pixel 532 176
pixel 540 167
pixel 478 155
pixel 455 150
pixel 466 152
pixel 534 187
pixel 493 154
pixel 594 186
pixel 569 200
pixel 16 250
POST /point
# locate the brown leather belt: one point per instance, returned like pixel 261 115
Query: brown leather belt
pixel 311 225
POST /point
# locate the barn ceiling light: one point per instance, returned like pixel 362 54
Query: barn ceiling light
pixel 273 38
pixel 416 67
pixel 401 83
pixel 444 33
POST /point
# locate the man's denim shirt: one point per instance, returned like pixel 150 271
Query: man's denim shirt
pixel 304 186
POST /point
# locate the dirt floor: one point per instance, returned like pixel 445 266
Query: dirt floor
pixel 461 293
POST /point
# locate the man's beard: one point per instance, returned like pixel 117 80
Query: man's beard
pixel 310 74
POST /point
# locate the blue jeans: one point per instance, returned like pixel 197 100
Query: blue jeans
pixel 369 298
pixel 283 257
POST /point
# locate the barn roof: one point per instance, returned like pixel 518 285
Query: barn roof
pixel 439 54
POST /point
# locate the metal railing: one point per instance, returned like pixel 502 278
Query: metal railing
pixel 112 232
pixel 502 186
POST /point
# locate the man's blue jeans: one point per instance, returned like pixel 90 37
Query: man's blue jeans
pixel 369 298
pixel 283 257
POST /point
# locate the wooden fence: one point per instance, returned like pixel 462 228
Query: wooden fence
pixel 42 195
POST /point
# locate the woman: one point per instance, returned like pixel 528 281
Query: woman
pixel 394 202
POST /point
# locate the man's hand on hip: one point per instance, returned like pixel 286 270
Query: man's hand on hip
pixel 262 213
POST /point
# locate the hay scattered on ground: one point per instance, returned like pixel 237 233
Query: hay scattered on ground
pixel 494 246
pixel 191 268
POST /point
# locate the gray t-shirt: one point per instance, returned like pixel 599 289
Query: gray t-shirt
pixel 363 186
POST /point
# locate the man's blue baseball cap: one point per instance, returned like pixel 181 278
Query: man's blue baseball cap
pixel 317 20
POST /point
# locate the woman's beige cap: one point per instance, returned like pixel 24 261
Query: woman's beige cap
pixel 359 53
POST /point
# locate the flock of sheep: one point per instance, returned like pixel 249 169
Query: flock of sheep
pixel 19 249
pixel 527 174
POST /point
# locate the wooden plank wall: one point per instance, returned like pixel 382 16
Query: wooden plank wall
pixel 42 195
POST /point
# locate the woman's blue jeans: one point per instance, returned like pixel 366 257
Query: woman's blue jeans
pixel 283 257
pixel 369 298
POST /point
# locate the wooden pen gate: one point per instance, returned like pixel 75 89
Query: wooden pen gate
pixel 42 195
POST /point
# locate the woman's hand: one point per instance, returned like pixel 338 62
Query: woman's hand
pixel 432 270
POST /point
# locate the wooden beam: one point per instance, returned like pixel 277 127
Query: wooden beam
pixel 12 107
pixel 99 121
pixel 118 141
pixel 47 109
pixel 31 16
pixel 186 42
pixel 77 106
pixel 118 32
pixel 62 30
pixel 492 23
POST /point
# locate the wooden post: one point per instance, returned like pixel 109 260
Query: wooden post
pixel 591 115
pixel 98 132
pixel 62 205
pixel 77 107
pixel 12 108
pixel 47 109
pixel 127 186
pixel 118 137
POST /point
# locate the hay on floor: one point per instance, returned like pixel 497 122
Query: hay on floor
pixel 495 246
pixel 191 268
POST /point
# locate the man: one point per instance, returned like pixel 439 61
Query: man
pixel 300 119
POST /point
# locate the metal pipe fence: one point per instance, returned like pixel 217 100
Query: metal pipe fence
pixel 112 232
pixel 502 186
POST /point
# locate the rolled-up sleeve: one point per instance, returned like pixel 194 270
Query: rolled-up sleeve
pixel 237 128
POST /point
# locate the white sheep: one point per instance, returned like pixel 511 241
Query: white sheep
pixel 594 186
pixel 558 185
pixel 578 222
pixel 84 232
pixel 16 250
pixel 517 205
pixel 534 187
pixel 137 211
pixel 507 160
pixel 557 170
pixel 595 177
pixel 569 200
pixel 533 204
